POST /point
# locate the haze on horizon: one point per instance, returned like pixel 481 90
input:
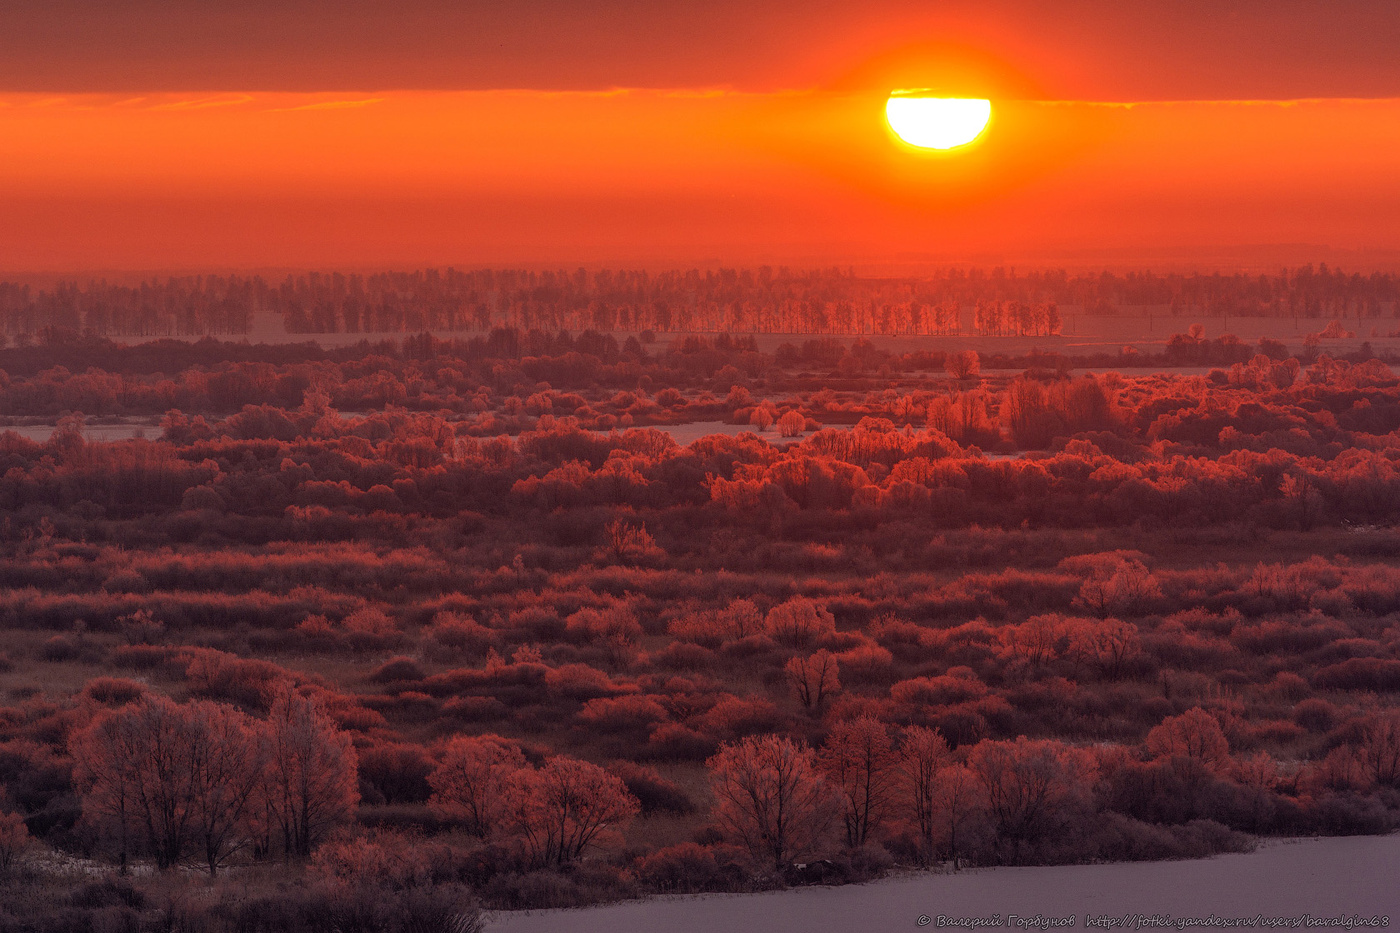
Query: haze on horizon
pixel 142 135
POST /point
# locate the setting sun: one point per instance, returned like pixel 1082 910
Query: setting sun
pixel 937 122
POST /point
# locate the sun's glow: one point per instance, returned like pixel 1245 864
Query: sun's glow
pixel 937 122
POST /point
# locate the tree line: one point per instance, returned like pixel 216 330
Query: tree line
pixel 763 300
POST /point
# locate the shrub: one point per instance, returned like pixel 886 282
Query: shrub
pixel 799 622
pixel 398 772
pixel 654 793
pixel 957 686
pixel 14 841
pixel 1121 838
pixel 690 868
pixel 59 648
pixel 219 675
pixel 675 742
pixel 369 629
pixel 626 715
pixel 397 670
pixel 1360 674
pixel 113 691
pixel 1351 814
pixel 1316 715
pixel 388 860
pixel 452 635
pixel 542 889
pixel 336 907
pixel 1193 734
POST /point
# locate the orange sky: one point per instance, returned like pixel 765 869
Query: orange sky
pixel 137 134
pixel 277 179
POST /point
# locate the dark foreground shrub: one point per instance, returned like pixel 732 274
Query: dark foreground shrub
pixel 1351 814
pixel 109 892
pixel 690 868
pixel 1378 674
pixel 1121 838
pixel 356 909
pixel 575 886
pixel 397 670
pixel 30 904
pixel 653 792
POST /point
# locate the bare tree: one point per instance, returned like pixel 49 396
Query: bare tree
pixel 813 678
pixel 858 762
pixel 1380 748
pixel 132 766
pixel 1194 734
pixel 311 775
pixel 561 808
pixel 1029 784
pixel 923 757
pixel 771 797
pixel 963 365
pixel 226 768
pixel 470 784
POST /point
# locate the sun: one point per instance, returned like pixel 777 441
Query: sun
pixel 937 122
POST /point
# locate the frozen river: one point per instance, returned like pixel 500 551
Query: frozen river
pixel 1293 879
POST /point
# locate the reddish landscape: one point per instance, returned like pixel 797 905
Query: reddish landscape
pixel 463 461
pixel 397 629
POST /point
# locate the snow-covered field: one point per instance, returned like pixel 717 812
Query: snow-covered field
pixel 1312 878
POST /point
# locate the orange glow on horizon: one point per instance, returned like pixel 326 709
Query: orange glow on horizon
pixel 164 181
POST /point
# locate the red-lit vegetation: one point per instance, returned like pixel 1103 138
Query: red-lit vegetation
pixel 438 623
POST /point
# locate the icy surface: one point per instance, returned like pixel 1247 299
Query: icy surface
pixel 1289 879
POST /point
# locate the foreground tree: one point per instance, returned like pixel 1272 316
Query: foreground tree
pixel 923 757
pixel 226 768
pixel 858 762
pixel 311 783
pixel 958 806
pixel 472 782
pixel 133 767
pixel 561 808
pixel 173 777
pixel 1380 748
pixel 1030 785
pixel 771 797
pixel 1194 734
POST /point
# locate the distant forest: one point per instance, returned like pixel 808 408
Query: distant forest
pixel 765 300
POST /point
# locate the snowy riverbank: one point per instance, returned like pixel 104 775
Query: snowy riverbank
pixel 1349 876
